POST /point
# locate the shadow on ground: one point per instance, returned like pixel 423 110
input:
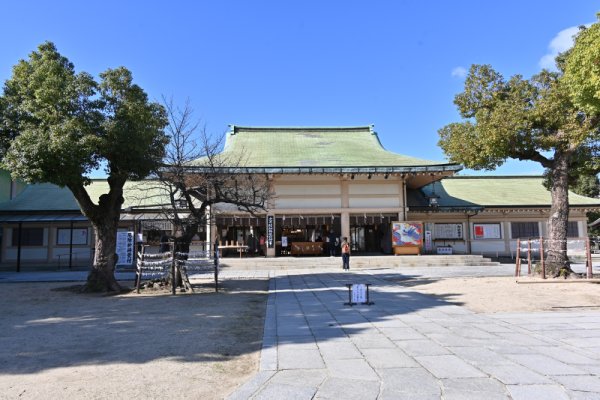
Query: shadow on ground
pixel 44 328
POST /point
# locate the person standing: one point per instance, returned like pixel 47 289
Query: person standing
pixel 332 243
pixel 345 254
pixel 263 245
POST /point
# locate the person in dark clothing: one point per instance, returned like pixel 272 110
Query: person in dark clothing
pixel 333 242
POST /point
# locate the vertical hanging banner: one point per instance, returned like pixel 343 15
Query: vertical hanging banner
pixel 124 248
pixel 270 231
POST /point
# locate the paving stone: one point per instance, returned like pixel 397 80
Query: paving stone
pixel 471 333
pixel 449 366
pixel 421 347
pixel 390 322
pixel 299 359
pixel 474 389
pixel 584 383
pixel 522 339
pixel 268 359
pixel 351 369
pixel 347 389
pixel 565 355
pixel 338 350
pixel 537 392
pixel 492 327
pixel 479 356
pixel 299 377
pixel 575 395
pixel 372 341
pixel 428 327
pixel 252 386
pixel 515 374
pixel 288 392
pixel 404 381
pixel 388 358
pixel 544 364
pixel 401 334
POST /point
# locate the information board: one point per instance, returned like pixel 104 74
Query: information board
pixel 448 231
pixel 125 247
pixel 486 231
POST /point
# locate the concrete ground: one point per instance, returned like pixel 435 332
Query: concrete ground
pixel 412 346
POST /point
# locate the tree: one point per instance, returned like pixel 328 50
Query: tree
pixel 214 180
pixel 524 119
pixel 582 69
pixel 57 126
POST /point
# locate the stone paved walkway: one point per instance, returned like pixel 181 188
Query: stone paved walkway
pixel 413 346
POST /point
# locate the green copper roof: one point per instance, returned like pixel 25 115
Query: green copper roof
pixel 49 197
pixel 497 191
pixel 313 148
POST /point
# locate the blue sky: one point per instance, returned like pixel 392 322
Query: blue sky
pixel 395 64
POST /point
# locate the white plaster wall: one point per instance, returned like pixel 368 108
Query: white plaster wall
pixel 311 203
pixel 374 202
pixel 488 247
pixel 307 190
pixel 380 188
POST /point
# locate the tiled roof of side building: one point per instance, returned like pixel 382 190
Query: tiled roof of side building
pixel 312 147
pixel 497 191
pixel 49 197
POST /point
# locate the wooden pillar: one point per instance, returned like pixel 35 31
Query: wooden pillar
pixel 19 238
pixel 71 247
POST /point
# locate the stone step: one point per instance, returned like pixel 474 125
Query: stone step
pixel 363 262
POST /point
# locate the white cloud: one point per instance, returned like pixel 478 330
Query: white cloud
pixel 459 72
pixel 561 42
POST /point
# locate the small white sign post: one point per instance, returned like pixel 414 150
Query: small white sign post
pixel 358 293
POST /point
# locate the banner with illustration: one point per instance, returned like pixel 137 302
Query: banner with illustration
pixel 407 233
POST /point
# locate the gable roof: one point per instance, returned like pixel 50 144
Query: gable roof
pixel 333 147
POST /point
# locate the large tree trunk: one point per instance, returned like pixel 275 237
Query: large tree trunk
pixel 559 216
pixel 102 275
pixel 104 217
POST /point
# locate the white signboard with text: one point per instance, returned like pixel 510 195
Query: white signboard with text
pixel 125 248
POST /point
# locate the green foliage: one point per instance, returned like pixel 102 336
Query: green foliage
pixel 582 70
pixel 57 125
pixel 517 118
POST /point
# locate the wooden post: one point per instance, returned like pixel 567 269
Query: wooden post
pixel 173 272
pixel 518 263
pixel 139 264
pixel 216 261
pixel 19 241
pixel 529 257
pixel 588 251
pixel 542 258
pixel 71 247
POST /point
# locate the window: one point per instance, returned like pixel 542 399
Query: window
pixel 572 229
pixel 29 237
pixel 63 236
pixel 487 231
pixel 524 230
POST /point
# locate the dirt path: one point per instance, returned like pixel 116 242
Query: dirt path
pixel 504 294
pixel 59 344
